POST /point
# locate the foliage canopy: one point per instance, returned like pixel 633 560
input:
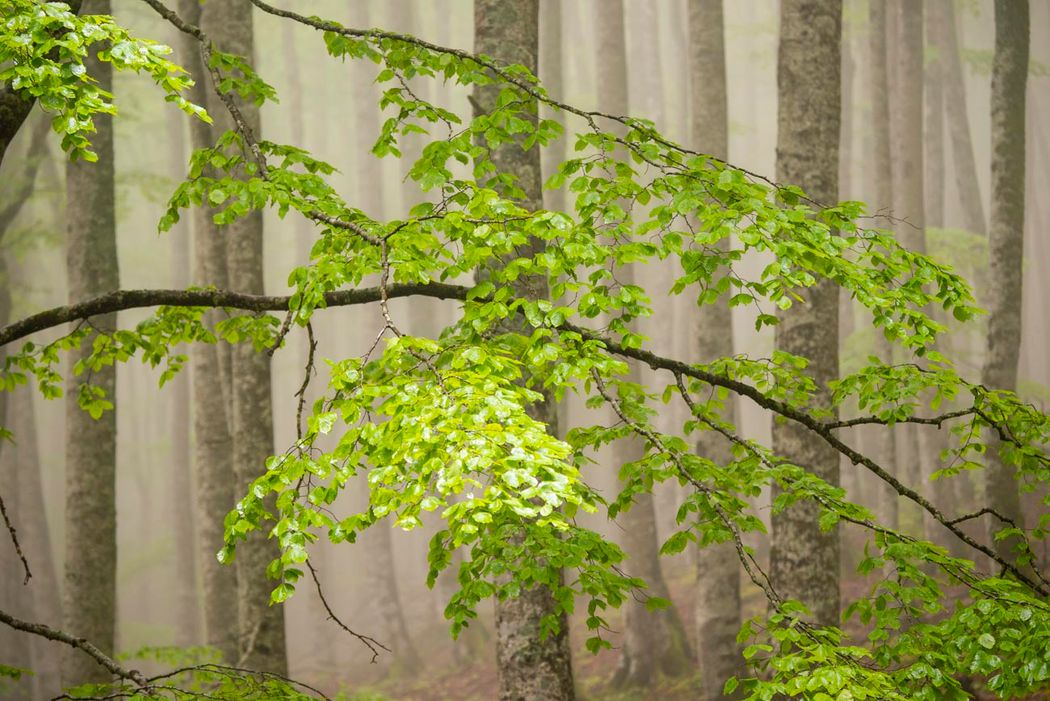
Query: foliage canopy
pixel 442 424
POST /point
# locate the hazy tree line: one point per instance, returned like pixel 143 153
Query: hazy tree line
pixel 931 112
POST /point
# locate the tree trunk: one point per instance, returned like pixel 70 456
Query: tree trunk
pixel 529 668
pixel 718 571
pixel 1006 240
pixel 959 121
pixel 212 456
pixel 261 638
pixel 933 77
pixel 805 560
pixel 552 67
pixel 91 444
pixel 883 442
pixel 184 583
pixel 653 641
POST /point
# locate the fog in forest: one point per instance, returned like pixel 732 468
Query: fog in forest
pixel 377 586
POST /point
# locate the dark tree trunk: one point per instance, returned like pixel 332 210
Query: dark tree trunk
pixel 1006 239
pixel 91 444
pixel 529 668
pixel 261 636
pixel 805 560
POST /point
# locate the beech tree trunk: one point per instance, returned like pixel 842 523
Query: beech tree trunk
pixel 883 442
pixel 1006 240
pixel 529 668
pixel 805 560
pixel 261 635
pixel 212 454
pixel 653 641
pixel 971 202
pixel 934 116
pixel 91 444
pixel 718 570
pixel 184 582
pixel 552 68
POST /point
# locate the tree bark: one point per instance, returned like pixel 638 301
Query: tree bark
pixel 261 634
pixel 187 606
pixel 551 69
pixel 718 571
pixel 883 442
pixel 212 456
pixel 1006 240
pixel 805 560
pixel 958 122
pixel 529 668
pixel 91 444
pixel 653 641
pixel 933 76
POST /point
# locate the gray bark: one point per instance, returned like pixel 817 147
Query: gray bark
pixel 934 116
pixel 883 442
pixel 212 457
pixel 1006 239
pixel 187 608
pixel 528 668
pixel 261 635
pixel 718 617
pixel 91 444
pixel 971 202
pixel 805 560
pixel 551 68
pixel 653 641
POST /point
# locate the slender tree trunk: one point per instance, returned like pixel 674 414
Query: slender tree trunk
pixel 959 122
pixel 933 77
pixel 1006 239
pixel 529 667
pixel 909 201
pixel 91 444
pixel 261 635
pixel 718 571
pixel 805 560
pixel 212 455
pixel 35 535
pixel 883 442
pixel 653 641
pixel 551 69
pixel 187 606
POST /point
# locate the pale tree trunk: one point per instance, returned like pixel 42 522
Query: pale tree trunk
pixel 958 121
pixel 529 668
pixel 804 560
pixel 1006 241
pixel 184 584
pixel 381 574
pixel 653 641
pixel 212 454
pixel 718 571
pixel 261 636
pixel 551 69
pixel 933 77
pixel 35 536
pixel 906 123
pixel 91 444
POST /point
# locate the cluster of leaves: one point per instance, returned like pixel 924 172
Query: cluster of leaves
pixel 455 426
pixel 43 46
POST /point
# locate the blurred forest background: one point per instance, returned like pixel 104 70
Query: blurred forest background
pixel 329 107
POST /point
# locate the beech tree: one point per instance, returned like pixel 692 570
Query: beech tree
pixel 460 425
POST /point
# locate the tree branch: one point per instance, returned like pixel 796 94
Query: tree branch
pixel 137 299
pixel 85 646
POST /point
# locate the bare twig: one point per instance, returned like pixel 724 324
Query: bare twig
pixel 370 642
pixel 14 539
